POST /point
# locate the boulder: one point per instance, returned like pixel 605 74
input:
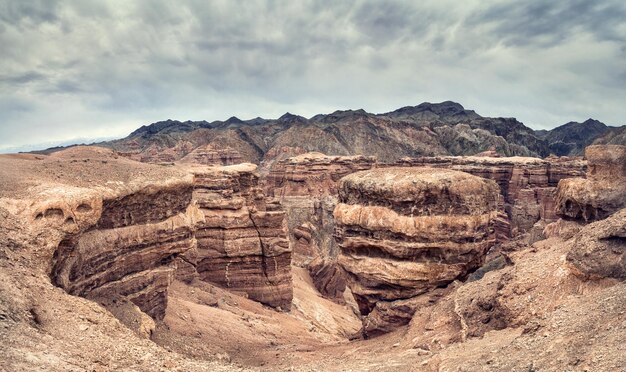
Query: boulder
pixel 599 249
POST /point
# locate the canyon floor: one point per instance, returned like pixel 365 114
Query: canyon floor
pixel 533 314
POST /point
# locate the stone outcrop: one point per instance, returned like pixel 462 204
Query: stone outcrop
pixel 242 242
pixel 602 193
pixel 599 249
pixel 129 251
pixel 526 184
pixel 128 243
pixel 406 231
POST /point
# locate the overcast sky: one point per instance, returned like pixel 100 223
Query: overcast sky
pixel 91 69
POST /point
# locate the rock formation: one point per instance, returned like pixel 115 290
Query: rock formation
pixel 306 186
pixel 604 190
pixel 129 250
pixel 406 231
pixel 313 175
pixel 599 249
pixel 526 184
pixel 242 242
pixel 129 237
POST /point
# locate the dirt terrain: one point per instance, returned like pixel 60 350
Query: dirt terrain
pixel 542 308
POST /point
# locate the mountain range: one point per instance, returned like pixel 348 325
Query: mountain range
pixel 428 129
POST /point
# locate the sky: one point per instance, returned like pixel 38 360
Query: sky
pixel 75 71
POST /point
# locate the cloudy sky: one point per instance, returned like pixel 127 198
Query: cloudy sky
pixel 77 70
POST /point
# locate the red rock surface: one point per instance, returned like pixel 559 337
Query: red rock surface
pixel 211 155
pixel 306 186
pixel 313 174
pixel 242 241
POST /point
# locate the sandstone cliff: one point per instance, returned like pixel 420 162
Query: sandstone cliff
pixel 126 236
pixel 406 231
pixel 242 241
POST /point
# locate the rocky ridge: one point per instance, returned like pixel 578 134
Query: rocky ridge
pixel 428 129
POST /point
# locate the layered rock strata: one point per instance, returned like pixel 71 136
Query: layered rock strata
pixel 212 223
pixel 406 231
pixel 129 251
pixel 526 184
pixel 242 242
pixel 313 174
pixel 602 193
pixel 306 186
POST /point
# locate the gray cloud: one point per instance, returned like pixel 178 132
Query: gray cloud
pixel 85 69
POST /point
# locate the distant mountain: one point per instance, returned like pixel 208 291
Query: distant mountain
pixel 445 128
pixel 573 137
pixel 613 136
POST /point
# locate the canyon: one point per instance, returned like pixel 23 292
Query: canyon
pixel 311 261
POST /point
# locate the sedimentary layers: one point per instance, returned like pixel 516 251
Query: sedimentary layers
pixel 306 186
pixel 526 184
pixel 130 249
pixel 313 174
pixel 242 242
pixel 214 224
pixel 210 155
pixel 604 190
pixel 406 231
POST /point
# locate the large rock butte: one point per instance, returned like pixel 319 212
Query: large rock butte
pixel 604 190
pixel 406 231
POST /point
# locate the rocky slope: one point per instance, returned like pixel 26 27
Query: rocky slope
pixel 615 136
